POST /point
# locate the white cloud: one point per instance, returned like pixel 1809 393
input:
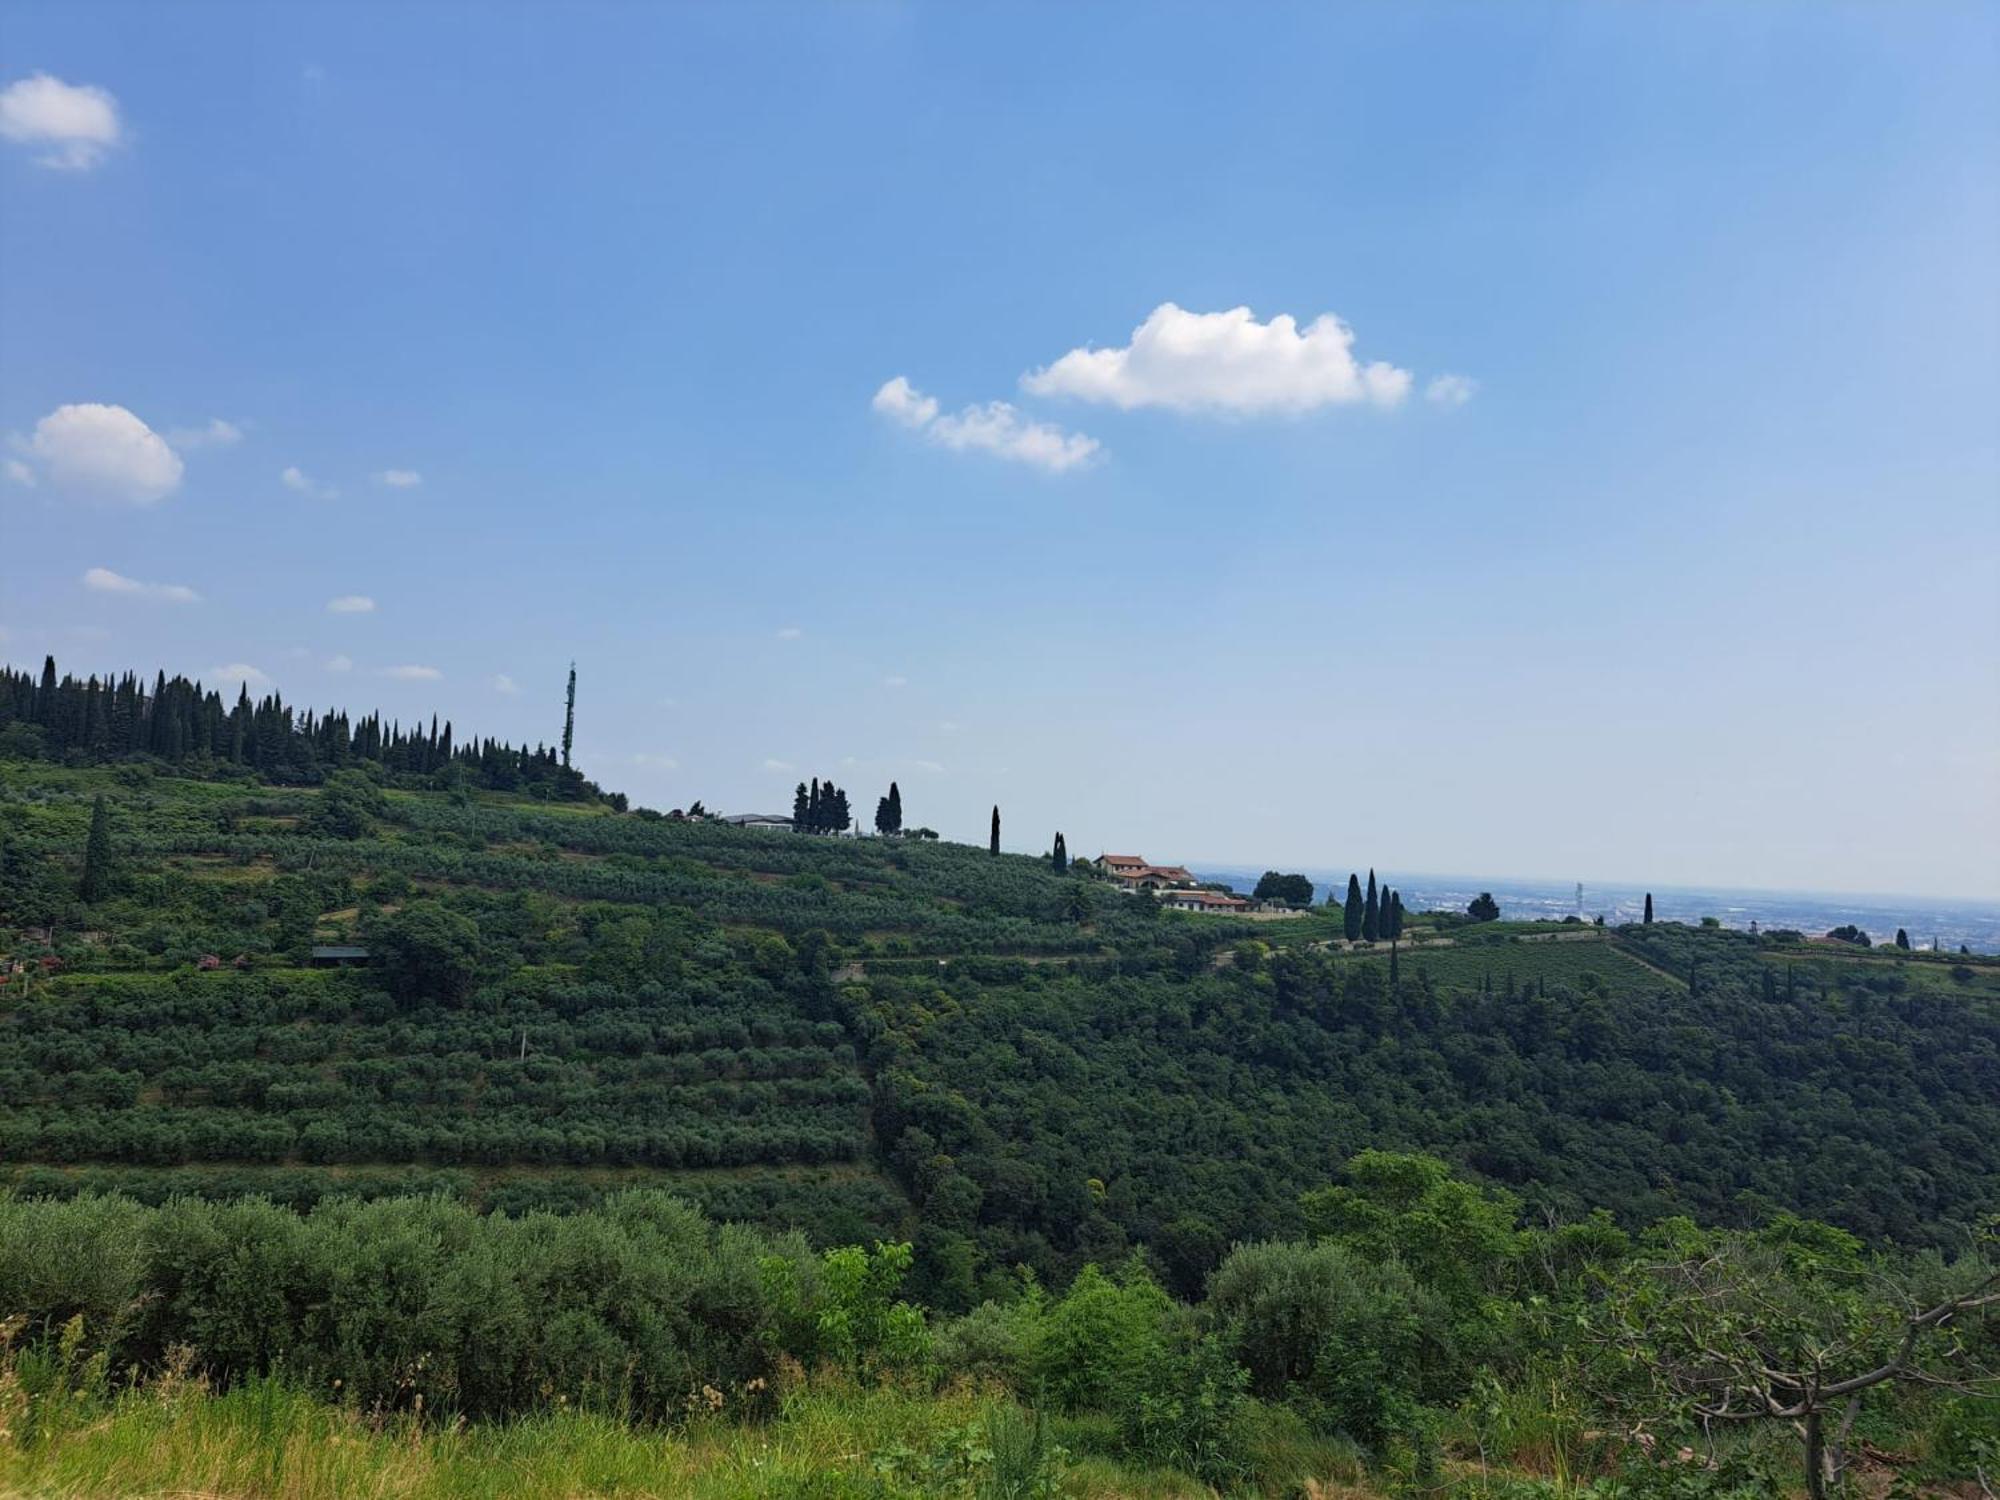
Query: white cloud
pixel 997 427
pixel 905 403
pixel 502 683
pixel 895 682
pixel 790 633
pixel 929 765
pixel 215 433
pixel 351 604
pixel 295 478
pixel 1224 362
pixel 340 664
pixel 399 479
pixel 20 473
pixel 413 673
pixel 100 452
pixel 78 123
pixel 949 726
pixel 657 762
pixel 1451 390
pixel 772 763
pixel 104 581
pixel 238 671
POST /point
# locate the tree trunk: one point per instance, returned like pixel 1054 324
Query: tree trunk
pixel 1815 1458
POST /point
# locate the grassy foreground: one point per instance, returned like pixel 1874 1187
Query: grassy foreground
pixel 828 1441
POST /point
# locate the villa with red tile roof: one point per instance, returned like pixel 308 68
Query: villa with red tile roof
pixel 1135 874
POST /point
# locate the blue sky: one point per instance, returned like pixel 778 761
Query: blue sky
pixel 1700 585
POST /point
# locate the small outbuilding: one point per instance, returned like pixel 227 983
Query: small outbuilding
pixel 338 956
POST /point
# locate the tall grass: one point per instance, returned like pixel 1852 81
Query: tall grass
pixel 67 1435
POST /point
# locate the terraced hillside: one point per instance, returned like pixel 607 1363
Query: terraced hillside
pixel 560 1000
pixel 868 1038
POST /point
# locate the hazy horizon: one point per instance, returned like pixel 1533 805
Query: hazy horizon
pixel 1372 458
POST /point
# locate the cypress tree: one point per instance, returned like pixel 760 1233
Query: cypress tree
pixel 1648 918
pixel 1059 858
pixel 1902 940
pixel 993 843
pixel 1371 914
pixel 895 808
pixel 569 716
pixel 1395 916
pixel 1351 915
pixel 96 883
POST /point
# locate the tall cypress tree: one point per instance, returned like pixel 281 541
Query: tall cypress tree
pixel 45 700
pixel 1351 916
pixel 1371 913
pixel 96 883
pixel 569 715
pixel 993 843
pixel 1059 856
pixel 889 812
pixel 1648 918
pixel 801 811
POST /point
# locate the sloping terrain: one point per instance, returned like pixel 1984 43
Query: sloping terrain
pixel 875 1037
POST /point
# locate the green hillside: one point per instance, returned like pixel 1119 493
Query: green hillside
pixel 867 1037
pixel 584 1139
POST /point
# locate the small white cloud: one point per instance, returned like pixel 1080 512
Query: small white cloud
pixel 340 664
pixel 413 673
pixel 1224 362
pixel 99 452
pixel 238 671
pixel 104 581
pixel 929 765
pixel 215 433
pixel 997 427
pixel 502 683
pixel 20 473
pixel 399 479
pixel 296 479
pixel 903 402
pixel 351 604
pixel 656 762
pixel 77 123
pixel 790 633
pixel 1451 390
pixel 772 763
pixel 949 726
pixel 895 682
